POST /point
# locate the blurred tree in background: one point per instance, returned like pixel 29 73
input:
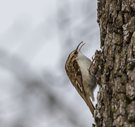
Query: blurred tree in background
pixel 35 40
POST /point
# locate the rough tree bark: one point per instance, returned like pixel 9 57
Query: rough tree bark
pixel 114 65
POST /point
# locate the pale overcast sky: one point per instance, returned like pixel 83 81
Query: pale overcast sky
pixel 36 37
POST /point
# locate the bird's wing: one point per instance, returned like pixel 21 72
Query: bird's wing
pixel 79 80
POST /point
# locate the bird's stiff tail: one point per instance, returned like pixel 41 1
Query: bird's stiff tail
pixel 90 105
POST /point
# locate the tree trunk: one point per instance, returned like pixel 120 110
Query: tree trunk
pixel 114 65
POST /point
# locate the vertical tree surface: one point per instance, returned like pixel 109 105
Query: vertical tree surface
pixel 114 65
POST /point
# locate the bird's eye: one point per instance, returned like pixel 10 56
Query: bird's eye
pixel 75 52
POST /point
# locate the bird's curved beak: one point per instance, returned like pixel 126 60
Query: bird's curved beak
pixel 80 45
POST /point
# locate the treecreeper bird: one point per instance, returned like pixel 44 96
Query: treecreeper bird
pixel 77 68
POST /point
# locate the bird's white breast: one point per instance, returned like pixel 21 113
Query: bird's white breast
pixel 84 64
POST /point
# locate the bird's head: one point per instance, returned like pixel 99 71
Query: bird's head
pixel 77 50
pixel 74 54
